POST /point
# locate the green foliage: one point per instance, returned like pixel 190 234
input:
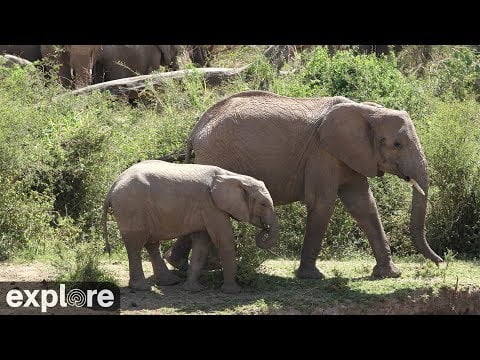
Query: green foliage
pixel 292 224
pixel 456 75
pixel 249 256
pixel 24 219
pixel 453 148
pixel 360 77
pixel 81 265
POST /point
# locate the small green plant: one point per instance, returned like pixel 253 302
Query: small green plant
pixel 81 265
pixel 449 257
pixel 427 270
pixel 338 282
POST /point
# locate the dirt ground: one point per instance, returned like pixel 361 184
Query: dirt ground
pixel 279 293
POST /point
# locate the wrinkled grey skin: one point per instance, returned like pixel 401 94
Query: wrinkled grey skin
pixel 28 52
pixel 313 150
pixel 76 62
pixel 122 61
pixel 155 200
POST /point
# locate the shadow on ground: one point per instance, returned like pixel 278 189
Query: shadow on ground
pixel 273 294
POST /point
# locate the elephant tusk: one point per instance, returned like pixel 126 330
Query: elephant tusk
pixel 416 186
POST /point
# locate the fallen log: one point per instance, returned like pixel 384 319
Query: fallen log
pixel 138 83
pixel 11 60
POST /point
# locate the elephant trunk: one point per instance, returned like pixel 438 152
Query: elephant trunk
pixel 82 80
pixel 81 64
pixel 267 238
pixel 419 210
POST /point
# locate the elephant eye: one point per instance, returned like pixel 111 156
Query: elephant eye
pixel 397 145
pixel 264 204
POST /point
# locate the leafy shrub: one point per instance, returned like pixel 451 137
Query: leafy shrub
pixel 249 257
pixel 452 148
pixel 81 265
pixel 361 78
pixel 24 220
pixel 456 75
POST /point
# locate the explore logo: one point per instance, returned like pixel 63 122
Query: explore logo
pixel 85 296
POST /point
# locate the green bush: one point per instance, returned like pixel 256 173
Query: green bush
pixel 362 78
pixel 452 148
pixel 455 75
pixel 24 219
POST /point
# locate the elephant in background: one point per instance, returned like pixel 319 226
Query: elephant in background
pixel 76 62
pixel 313 150
pixel 28 52
pixel 156 200
pixel 200 55
pixel 122 61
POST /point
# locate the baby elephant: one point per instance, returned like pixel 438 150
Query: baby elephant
pixel 155 200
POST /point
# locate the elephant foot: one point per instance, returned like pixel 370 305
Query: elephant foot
pixel 389 270
pixel 193 286
pixel 140 285
pixel 168 279
pixel 309 273
pixel 180 264
pixel 231 288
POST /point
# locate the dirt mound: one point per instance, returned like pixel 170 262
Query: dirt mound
pixel 447 302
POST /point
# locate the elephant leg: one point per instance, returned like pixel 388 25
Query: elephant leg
pixel 163 276
pixel 177 255
pixel 360 203
pixel 220 232
pixel 134 243
pixel 213 262
pixel 317 222
pixel 200 248
pixel 321 186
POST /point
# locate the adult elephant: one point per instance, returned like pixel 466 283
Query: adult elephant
pixel 122 61
pixel 311 150
pixel 28 52
pixel 76 62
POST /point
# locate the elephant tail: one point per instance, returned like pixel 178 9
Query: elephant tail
pixel 106 206
pixel 189 150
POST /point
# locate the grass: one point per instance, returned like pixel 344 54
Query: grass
pixel 348 289
pixel 423 288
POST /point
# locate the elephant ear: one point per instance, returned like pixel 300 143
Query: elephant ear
pixel 347 133
pixel 229 195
